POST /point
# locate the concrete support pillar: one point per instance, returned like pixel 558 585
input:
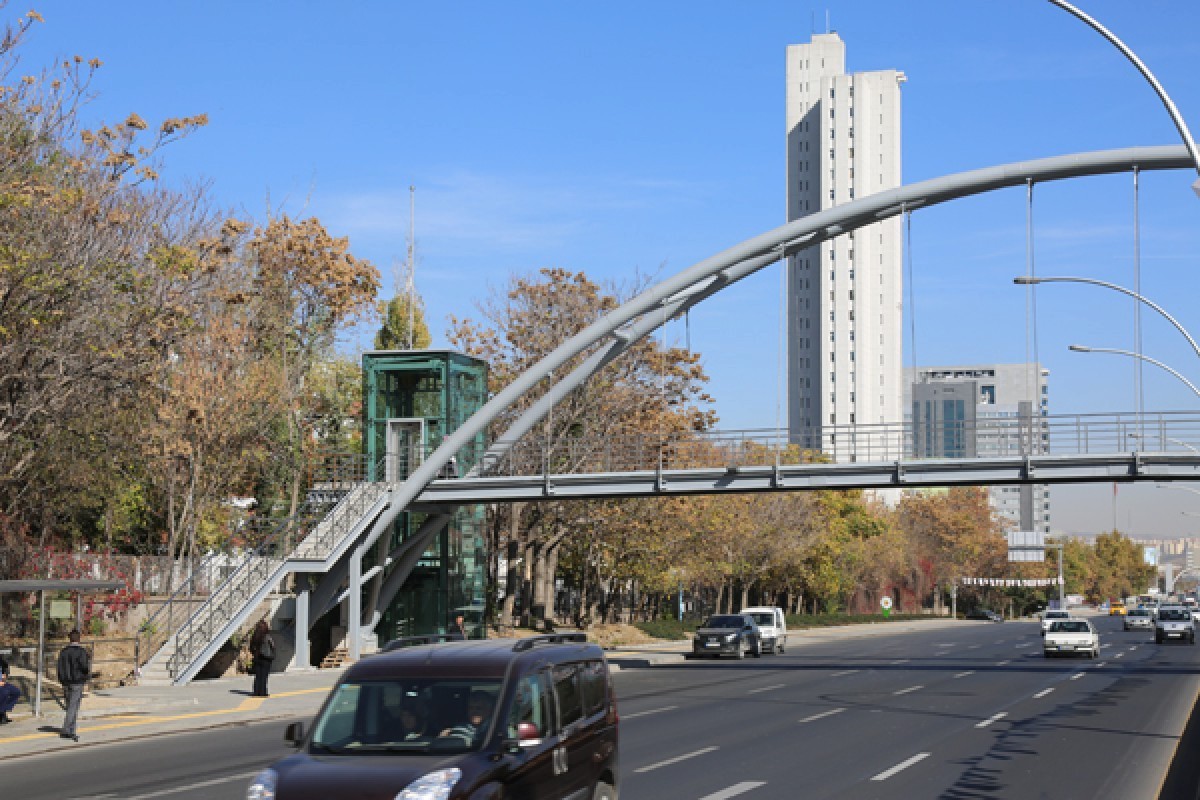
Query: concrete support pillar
pixel 354 606
pixel 301 659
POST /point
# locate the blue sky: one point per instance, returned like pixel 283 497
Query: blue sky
pixel 623 136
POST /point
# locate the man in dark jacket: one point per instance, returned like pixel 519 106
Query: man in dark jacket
pixel 9 694
pixel 74 669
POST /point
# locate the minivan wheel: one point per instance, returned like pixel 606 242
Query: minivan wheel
pixel 757 651
pixel 741 652
pixel 779 648
pixel 604 792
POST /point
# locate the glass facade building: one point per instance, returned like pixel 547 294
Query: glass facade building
pixel 412 400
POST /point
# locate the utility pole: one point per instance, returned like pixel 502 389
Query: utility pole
pixel 412 287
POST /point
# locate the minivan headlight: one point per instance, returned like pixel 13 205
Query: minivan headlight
pixel 432 786
pixel 263 786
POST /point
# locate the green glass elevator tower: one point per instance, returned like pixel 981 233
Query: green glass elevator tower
pixel 412 400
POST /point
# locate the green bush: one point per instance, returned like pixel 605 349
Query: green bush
pixel 97 626
pixel 668 628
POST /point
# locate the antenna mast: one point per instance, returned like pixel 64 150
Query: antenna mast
pixel 412 289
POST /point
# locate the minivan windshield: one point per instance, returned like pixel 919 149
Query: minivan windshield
pixel 763 618
pixel 428 715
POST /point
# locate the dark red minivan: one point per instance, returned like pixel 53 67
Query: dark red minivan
pixel 495 718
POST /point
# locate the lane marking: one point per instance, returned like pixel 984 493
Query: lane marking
pixel 734 791
pixel 909 689
pixel 823 714
pixel 947 644
pixel 991 719
pixel 1106 644
pixel 972 647
pixel 648 713
pixel 1025 644
pixel 1078 675
pixel 965 674
pixel 901 661
pixel 1000 641
pixel 1101 664
pixel 1118 655
pixel 1003 663
pixel 200 785
pixel 844 672
pixel 676 759
pixel 887 773
pixel 1043 693
pixel 767 688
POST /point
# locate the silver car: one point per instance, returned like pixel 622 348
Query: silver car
pixel 1138 619
pixel 1174 622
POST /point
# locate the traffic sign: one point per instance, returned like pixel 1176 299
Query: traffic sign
pixel 886 602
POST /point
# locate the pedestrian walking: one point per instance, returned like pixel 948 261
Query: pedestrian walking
pixel 74 669
pixel 262 648
pixel 458 630
pixel 9 694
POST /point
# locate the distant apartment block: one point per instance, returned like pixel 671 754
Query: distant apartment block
pixel 980 411
pixel 843 296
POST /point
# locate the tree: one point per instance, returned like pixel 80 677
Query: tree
pixel 650 390
pixel 394 335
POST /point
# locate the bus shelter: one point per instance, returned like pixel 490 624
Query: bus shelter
pixel 79 587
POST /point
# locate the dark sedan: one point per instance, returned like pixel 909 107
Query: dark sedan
pixel 987 615
pixel 728 634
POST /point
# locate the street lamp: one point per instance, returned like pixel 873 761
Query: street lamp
pixel 1025 280
pixel 1180 125
pixel 1079 348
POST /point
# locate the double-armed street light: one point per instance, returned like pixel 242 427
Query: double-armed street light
pixel 1080 348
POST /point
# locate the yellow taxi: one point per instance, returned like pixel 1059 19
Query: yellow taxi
pixel 1116 608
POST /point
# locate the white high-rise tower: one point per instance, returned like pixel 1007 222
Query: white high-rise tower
pixel 845 316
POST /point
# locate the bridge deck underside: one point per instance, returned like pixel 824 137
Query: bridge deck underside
pixel 1090 468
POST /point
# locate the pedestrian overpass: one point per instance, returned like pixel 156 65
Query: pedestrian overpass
pixel 353 514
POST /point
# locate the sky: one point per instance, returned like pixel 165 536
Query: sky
pixel 631 137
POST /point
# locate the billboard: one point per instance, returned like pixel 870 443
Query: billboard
pixel 1026 546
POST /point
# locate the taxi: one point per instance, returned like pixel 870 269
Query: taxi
pixel 1116 609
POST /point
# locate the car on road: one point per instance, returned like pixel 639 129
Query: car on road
pixel 772 626
pixel 431 718
pixel 984 614
pixel 727 634
pixel 1174 622
pixel 1117 608
pixel 1138 619
pixel 1050 616
pixel 1069 637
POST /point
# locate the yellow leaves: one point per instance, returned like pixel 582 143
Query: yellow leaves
pixel 135 122
pixel 95 63
pixel 233 227
pixel 34 16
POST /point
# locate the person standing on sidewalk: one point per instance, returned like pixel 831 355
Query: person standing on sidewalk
pixel 74 669
pixel 262 647
pixel 9 694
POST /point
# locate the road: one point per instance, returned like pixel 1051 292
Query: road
pixel 964 712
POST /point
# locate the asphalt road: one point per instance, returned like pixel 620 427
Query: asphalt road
pixel 964 712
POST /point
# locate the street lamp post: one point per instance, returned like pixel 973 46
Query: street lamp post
pixel 1079 348
pixel 1180 125
pixel 1024 280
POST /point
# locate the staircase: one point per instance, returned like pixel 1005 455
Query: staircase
pixel 190 645
pixel 336 658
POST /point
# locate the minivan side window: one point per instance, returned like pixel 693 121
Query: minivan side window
pixel 566 692
pixel 594 682
pixel 530 704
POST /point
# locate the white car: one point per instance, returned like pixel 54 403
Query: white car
pixel 772 626
pixel 1050 616
pixel 1071 636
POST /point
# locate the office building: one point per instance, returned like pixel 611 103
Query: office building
pixel 844 296
pixel 981 411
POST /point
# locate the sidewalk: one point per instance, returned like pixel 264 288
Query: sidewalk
pixel 132 712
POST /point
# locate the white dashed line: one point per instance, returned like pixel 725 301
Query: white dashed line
pixel 1118 655
pixel 201 785
pixel 823 714
pixel 1004 663
pixel 647 713
pixel 676 759
pixel 1025 644
pixel 883 776
pixel 901 661
pixel 909 689
pixel 972 647
pixel 1078 675
pixel 1042 693
pixel 734 791
pixel 767 688
pixel 991 719
pixel 844 672
pixel 965 674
